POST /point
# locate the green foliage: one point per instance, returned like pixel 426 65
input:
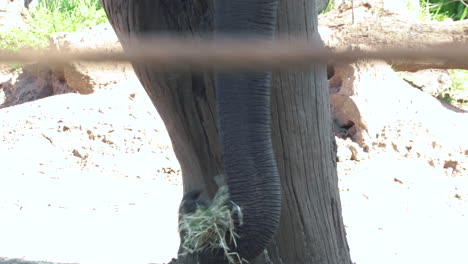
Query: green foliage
pixel 16 39
pixel 68 15
pixel 457 94
pixel 443 9
pixel 330 6
pixel 51 17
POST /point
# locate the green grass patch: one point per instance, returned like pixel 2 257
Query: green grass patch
pixel 440 10
pixel 52 17
pixel 457 94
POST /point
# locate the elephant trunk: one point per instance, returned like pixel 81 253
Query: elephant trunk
pixel 245 125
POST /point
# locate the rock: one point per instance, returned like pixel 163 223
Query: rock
pixel 34 82
pixel 10 15
pixel 347 118
pixel 84 77
pixel 380 112
pixel 349 150
pixel 431 81
pixel 39 81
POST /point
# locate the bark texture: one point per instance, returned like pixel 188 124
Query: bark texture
pixel 311 228
pixel 185 99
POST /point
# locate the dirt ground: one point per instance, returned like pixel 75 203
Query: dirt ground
pixel 89 179
pixel 86 179
pixel 92 179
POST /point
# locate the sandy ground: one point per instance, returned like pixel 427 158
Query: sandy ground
pixel 114 203
pixel 88 219
pixel 85 179
pixel 403 211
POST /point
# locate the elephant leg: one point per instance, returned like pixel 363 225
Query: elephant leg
pixel 184 99
pixel 243 109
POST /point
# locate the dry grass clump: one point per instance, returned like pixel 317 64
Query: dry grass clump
pixel 208 228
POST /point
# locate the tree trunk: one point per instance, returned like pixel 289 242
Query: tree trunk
pixel 312 229
pixel 185 100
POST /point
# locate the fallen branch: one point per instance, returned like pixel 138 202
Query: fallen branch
pixel 377 29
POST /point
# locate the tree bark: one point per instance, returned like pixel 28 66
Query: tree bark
pixel 312 229
pixel 185 100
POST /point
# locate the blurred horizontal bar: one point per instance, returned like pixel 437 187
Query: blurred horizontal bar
pixel 246 54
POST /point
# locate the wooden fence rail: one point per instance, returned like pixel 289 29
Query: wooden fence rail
pixel 168 53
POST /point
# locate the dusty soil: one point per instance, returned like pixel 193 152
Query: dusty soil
pixel 88 179
pixel 93 178
pixel 404 178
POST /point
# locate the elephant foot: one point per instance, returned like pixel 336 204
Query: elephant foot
pixel 173 261
pixel 190 202
pixel 207 230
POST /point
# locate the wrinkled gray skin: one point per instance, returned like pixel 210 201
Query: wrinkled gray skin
pixel 243 101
